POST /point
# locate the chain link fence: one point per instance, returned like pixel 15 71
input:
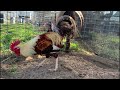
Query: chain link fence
pixel 100 33
pixel 22 25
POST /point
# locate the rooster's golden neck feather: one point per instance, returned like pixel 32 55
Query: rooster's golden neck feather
pixel 54 37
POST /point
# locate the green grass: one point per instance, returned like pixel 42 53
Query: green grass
pixel 12 32
pixel 106 45
pixel 13 69
pixel 74 45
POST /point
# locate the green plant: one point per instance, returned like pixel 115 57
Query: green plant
pixel 106 45
pixel 74 45
pixel 13 69
pixel 11 32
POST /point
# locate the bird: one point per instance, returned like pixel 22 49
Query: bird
pixel 67 25
pixel 47 44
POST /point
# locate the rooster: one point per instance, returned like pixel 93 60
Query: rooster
pixel 47 44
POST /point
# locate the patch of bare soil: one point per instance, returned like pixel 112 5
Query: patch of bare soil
pixel 71 66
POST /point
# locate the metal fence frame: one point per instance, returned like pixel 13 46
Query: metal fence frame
pixel 102 26
pixel 92 23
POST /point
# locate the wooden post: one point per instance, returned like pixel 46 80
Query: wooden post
pixel 55 17
pixel 7 22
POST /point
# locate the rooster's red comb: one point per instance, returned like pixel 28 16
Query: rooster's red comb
pixel 13 44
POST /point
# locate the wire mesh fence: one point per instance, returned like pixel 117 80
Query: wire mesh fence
pixel 100 32
pixel 16 25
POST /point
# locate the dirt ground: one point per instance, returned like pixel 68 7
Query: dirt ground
pixel 71 66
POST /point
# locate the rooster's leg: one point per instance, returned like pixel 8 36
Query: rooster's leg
pixel 56 65
pixel 47 56
pixel 41 64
